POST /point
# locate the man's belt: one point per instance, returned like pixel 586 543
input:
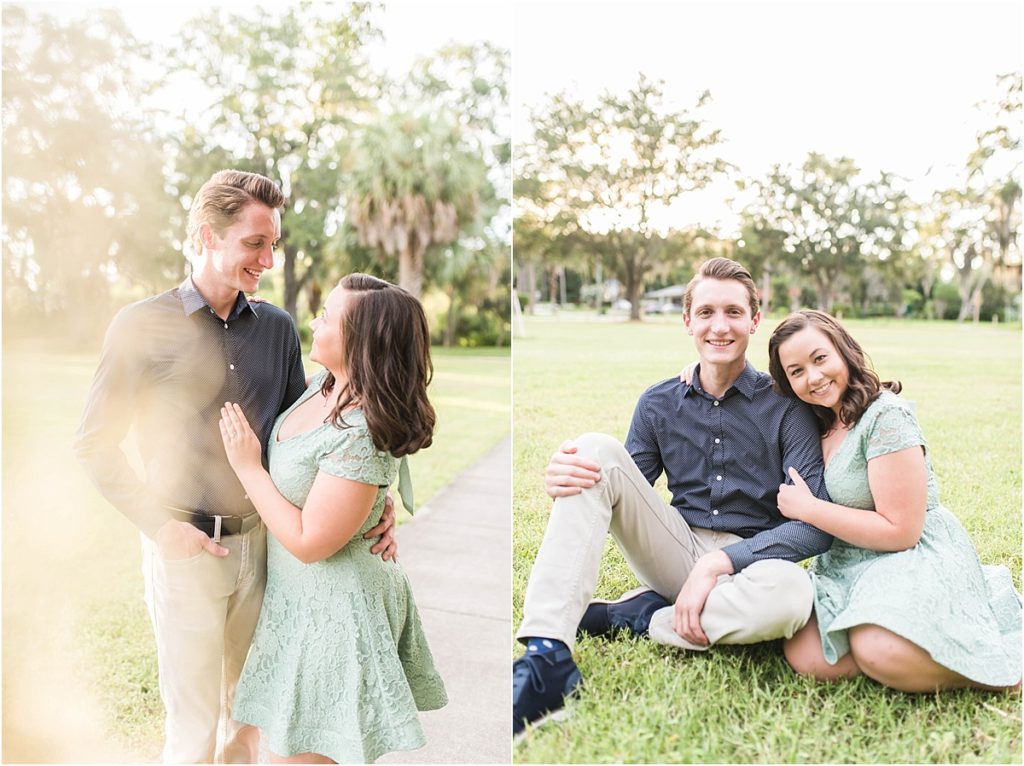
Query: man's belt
pixel 216 526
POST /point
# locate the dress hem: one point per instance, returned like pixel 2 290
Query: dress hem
pixel 846 622
pixel 366 756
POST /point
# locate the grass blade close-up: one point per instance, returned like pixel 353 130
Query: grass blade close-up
pixel 643 702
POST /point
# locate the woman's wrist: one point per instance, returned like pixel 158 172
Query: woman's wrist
pixel 812 512
pixel 250 476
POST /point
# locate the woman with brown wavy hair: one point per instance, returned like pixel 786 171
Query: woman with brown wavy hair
pixel 339 665
pixel 901 596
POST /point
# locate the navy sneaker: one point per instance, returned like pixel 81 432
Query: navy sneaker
pixel 632 611
pixel 540 684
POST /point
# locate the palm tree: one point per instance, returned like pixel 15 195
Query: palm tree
pixel 414 183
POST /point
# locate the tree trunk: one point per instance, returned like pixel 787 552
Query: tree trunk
pixel 410 268
pixel 826 295
pixel 976 294
pixel 633 295
pixel 927 284
pixel 631 273
pixel 291 283
pixel 964 287
pixel 531 286
pixel 766 289
pixel 314 296
pixel 970 282
pixel 970 294
pixel 453 318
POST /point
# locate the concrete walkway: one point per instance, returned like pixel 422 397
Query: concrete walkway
pixel 458 554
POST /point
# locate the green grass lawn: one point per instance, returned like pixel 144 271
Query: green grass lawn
pixel 79 662
pixel 648 703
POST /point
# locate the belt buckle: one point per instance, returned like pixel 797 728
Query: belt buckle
pixel 217 521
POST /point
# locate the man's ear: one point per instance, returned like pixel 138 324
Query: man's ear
pixel 756 321
pixel 686 321
pixel 206 236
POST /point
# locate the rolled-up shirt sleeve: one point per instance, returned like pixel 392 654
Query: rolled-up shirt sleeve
pixel 109 412
pixel 800 447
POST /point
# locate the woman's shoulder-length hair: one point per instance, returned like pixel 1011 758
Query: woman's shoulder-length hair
pixel 386 348
pixel 863 385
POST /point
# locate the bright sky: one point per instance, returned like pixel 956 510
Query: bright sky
pixel 410 29
pixel 891 84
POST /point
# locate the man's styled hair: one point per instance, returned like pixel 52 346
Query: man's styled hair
pixel 220 200
pixel 722 268
pixel 386 349
pixel 864 385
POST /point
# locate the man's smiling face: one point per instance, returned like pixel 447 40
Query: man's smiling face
pixel 720 321
pixel 244 250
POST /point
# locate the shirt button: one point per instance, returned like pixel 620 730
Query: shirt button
pixel 225 325
pixel 719 477
pixel 716 404
pixel 714 512
pixel 211 311
pixel 233 367
pixel 717 441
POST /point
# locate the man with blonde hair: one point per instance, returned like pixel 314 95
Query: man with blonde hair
pixel 716 565
pixel 169 363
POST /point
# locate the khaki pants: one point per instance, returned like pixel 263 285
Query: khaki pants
pixel 769 599
pixel 204 611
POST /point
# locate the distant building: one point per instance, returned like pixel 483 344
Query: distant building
pixel 667 300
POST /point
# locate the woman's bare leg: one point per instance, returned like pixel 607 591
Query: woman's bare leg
pixel 896 662
pixel 804 654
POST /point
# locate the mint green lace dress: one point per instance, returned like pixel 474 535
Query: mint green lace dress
pixel 937 594
pixel 339 664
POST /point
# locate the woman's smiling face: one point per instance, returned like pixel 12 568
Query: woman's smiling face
pixel 815 369
pixel 328 347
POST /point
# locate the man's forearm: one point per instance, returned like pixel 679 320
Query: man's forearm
pixel 791 541
pixel 110 472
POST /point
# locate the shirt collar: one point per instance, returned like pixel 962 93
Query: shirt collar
pixel 192 300
pixel 745 383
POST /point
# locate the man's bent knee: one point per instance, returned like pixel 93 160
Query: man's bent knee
pixel 601 448
pixel 791 593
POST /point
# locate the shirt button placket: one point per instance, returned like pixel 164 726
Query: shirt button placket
pixel 226 349
pixel 717 460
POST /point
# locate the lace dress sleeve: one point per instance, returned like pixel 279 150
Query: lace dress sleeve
pixel 895 428
pixel 353 456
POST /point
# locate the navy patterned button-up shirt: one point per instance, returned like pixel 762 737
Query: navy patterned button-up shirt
pixel 725 459
pixel 168 364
